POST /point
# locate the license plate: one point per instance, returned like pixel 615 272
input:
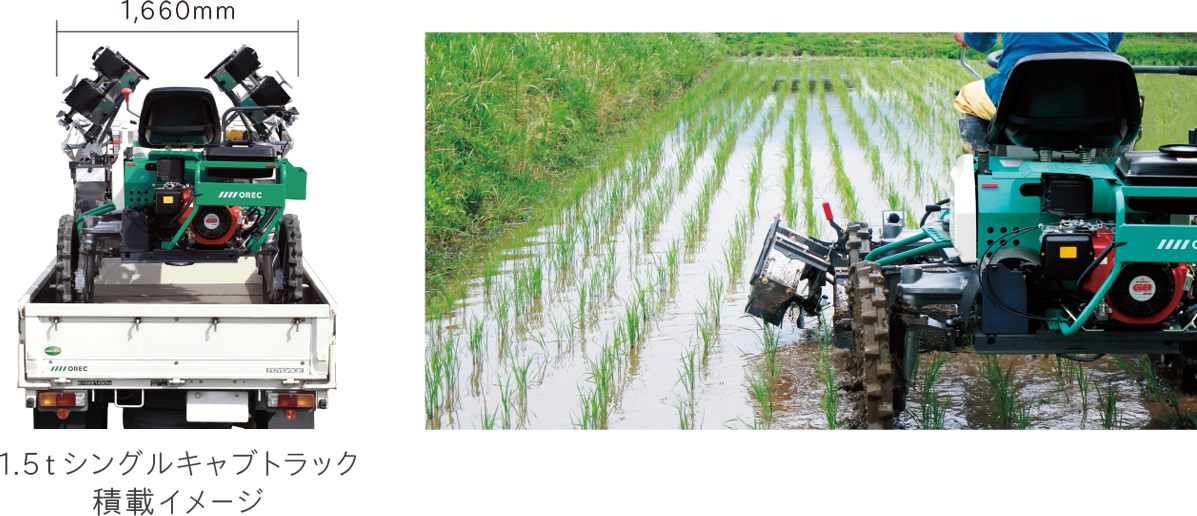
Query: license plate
pixel 217 406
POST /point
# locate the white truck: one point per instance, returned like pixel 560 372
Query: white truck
pixel 176 347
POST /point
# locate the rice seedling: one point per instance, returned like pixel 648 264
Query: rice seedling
pixel 736 247
pixel 502 312
pixel 489 272
pixel 770 341
pixel 762 393
pixel 477 341
pixel 433 376
pixel 1002 388
pixel 688 379
pixel 488 417
pixel 931 410
pixel 519 370
pixel 691 228
pixel 565 241
pixel 506 402
pixel 1120 361
pixel 789 207
pixel 1084 382
pixel 1061 375
pixel 672 257
pixel 1151 380
pixel 1175 419
pixel 843 183
pixel 1107 403
pixel 830 399
pixel 714 298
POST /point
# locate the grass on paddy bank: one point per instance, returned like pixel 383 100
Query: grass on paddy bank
pixel 515 123
pixel 510 118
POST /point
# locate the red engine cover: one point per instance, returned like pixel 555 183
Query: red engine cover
pixel 234 212
pixel 1101 239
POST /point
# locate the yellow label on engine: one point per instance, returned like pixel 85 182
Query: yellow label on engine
pixel 1067 252
pixel 170 199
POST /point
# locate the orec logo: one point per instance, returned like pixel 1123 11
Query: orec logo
pixel 239 195
pixel 1169 243
pixel 73 368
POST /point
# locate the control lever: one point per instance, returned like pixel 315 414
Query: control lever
pixel 839 231
pixel 282 80
pixel 127 92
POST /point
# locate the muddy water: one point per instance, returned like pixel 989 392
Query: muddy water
pixel 558 338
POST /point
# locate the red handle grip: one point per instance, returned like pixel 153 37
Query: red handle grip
pixel 964 45
pixel 827 211
pixel 127 92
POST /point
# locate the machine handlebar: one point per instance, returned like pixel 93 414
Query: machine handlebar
pixel 996 56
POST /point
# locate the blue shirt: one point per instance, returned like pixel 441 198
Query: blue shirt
pixel 1038 26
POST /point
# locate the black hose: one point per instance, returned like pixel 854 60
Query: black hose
pixel 1100 256
pixel 932 208
pixel 984 279
pixel 1096 357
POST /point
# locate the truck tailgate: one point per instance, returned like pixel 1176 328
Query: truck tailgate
pixel 168 344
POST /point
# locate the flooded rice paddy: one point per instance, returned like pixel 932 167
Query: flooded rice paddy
pixel 602 363
pixel 626 310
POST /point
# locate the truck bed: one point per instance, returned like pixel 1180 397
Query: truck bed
pixel 158 326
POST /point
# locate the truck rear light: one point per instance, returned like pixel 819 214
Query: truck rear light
pixel 290 414
pixel 62 399
pixel 290 399
pixel 63 413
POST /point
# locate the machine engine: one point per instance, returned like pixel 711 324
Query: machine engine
pixel 1142 294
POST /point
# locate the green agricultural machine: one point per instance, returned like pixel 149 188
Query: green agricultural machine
pixel 1052 241
pixel 192 185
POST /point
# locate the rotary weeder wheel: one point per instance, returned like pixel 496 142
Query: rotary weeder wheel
pixel 858 245
pixel 282 269
pixel 290 259
pixel 870 344
pixel 64 265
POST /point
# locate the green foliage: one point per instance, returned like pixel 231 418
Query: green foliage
pixel 1010 410
pixel 1107 402
pixel 508 116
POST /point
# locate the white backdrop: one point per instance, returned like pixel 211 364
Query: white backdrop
pixel 338 90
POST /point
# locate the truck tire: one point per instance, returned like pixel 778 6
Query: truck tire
pixel 170 426
pixel 94 418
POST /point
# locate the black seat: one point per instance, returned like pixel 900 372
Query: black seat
pixel 255 152
pixel 1154 168
pixel 222 160
pixel 178 117
pixel 1069 100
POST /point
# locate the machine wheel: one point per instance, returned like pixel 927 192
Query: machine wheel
pixel 897 361
pixel 266 271
pixel 859 241
pixel 91 269
pixel 290 249
pixel 67 250
pixel 282 270
pixel 870 344
pixel 95 417
pixel 858 245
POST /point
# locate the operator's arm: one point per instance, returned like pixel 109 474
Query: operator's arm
pixel 980 41
pixel 1115 39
